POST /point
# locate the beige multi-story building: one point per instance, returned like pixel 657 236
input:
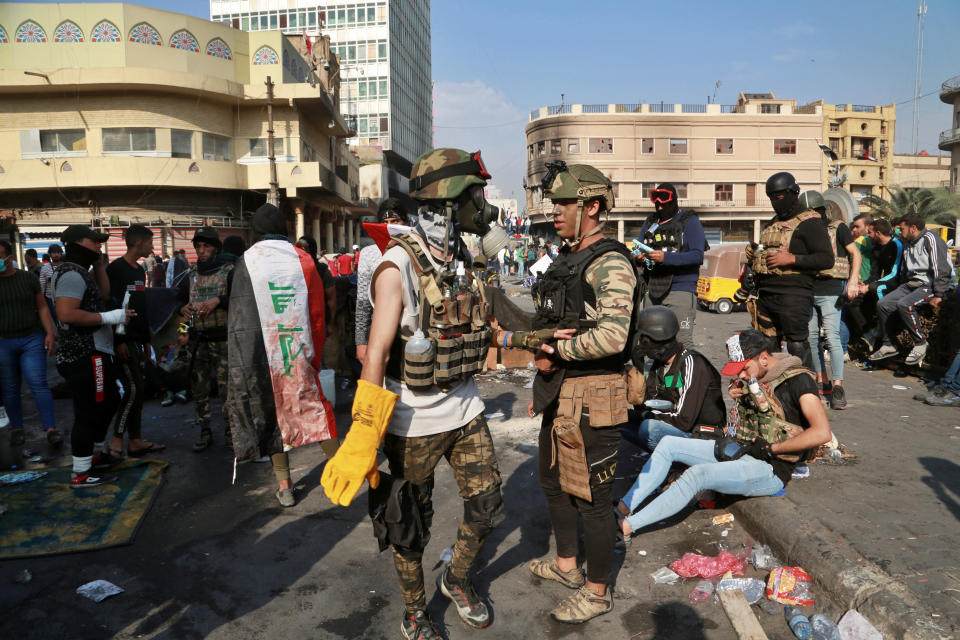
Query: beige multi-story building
pixel 718 156
pixel 114 113
pixel 861 135
pixel 950 139
pixel 920 171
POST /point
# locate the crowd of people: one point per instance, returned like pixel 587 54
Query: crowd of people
pixel 256 320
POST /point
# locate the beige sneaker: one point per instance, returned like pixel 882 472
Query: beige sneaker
pixel 582 606
pixel 548 570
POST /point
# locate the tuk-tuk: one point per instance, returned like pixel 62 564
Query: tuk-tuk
pixel 718 277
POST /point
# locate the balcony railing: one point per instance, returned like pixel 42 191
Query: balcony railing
pixel 949 138
pixel 731 108
pixel 558 109
pixel 661 108
pixel 863 108
pixel 693 108
pixel 595 108
pixel 953 84
pixel 628 108
pixel 806 109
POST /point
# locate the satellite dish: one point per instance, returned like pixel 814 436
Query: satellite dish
pixel 841 205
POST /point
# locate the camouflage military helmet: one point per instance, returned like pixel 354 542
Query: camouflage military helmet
pixel 577 181
pixel 443 174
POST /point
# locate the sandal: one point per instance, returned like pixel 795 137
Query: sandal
pixel 152 447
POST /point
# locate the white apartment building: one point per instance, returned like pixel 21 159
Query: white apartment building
pixel 385 58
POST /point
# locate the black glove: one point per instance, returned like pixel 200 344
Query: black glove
pixel 748 280
pixel 727 448
pixel 760 449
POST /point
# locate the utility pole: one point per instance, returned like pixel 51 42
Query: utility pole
pixel 918 73
pixel 273 197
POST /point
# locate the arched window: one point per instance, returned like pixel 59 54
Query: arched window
pixel 184 40
pixel 68 32
pixel 143 33
pixel 31 32
pixel 219 49
pixel 265 55
pixel 3 36
pixel 105 32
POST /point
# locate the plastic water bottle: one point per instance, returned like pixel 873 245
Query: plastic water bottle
pixel 824 628
pixel 418 345
pixel 798 622
pixel 122 327
pixel 462 283
pixel 701 592
pixel 758 397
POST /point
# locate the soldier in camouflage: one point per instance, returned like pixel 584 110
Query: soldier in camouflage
pixel 579 388
pixel 209 294
pixel 428 422
pixel 779 421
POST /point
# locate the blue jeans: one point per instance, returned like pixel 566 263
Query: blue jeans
pixel 651 431
pixel 520 269
pixel 951 379
pixel 824 311
pixel 25 356
pixel 744 477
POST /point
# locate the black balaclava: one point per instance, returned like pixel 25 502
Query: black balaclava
pixel 786 207
pixel 79 254
pixel 268 221
pixel 669 209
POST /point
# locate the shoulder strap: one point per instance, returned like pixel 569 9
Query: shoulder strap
pixel 791 372
pixel 426 274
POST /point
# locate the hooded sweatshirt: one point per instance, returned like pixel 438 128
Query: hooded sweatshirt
pixel 927 259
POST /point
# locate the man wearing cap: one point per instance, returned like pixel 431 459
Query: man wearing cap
pixel 671 270
pixel 780 421
pixel 46 276
pixel 85 355
pixel 209 282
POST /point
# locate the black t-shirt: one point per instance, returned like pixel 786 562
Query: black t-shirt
pixel 811 245
pixel 834 286
pixel 125 277
pixel 789 394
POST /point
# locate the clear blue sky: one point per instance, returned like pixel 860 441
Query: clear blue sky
pixel 494 61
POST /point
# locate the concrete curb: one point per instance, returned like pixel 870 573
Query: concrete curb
pixel 839 570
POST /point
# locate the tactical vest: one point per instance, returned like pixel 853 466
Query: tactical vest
pixel 560 299
pixel 75 342
pixel 204 287
pixel 775 236
pixel 771 425
pixel 456 326
pixel 841 264
pixel 666 237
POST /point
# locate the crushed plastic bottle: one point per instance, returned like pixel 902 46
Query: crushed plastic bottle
pixel 663 575
pixel 761 557
pixel 752 588
pixel 798 622
pixel 824 628
pixel 701 592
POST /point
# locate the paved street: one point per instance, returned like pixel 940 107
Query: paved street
pixel 221 561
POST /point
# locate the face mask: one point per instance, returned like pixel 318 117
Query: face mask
pixel 473 214
pixel 78 254
pixel 432 225
pixel 657 351
pixel 785 206
pixel 3 263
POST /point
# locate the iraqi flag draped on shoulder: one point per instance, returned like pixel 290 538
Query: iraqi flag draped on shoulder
pixel 277 293
pixel 381 232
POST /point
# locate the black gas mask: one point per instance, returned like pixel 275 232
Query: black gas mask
pixel 784 207
pixel 473 214
pixel 656 350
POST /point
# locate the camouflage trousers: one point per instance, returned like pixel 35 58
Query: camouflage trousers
pixel 469 451
pixel 209 356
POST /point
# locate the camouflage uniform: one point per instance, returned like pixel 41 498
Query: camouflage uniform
pixel 208 356
pixel 469 451
pixel 593 290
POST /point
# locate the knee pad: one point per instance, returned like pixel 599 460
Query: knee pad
pixel 800 348
pixel 484 512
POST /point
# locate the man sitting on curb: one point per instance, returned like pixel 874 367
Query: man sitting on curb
pixel 926 272
pixel 683 377
pixel 780 422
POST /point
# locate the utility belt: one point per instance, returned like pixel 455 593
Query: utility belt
pixel 457 353
pixel 605 399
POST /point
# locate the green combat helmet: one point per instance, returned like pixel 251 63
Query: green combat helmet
pixel 445 173
pixel 580 181
pixel 813 200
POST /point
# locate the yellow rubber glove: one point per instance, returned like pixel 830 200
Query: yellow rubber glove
pixel 356 460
